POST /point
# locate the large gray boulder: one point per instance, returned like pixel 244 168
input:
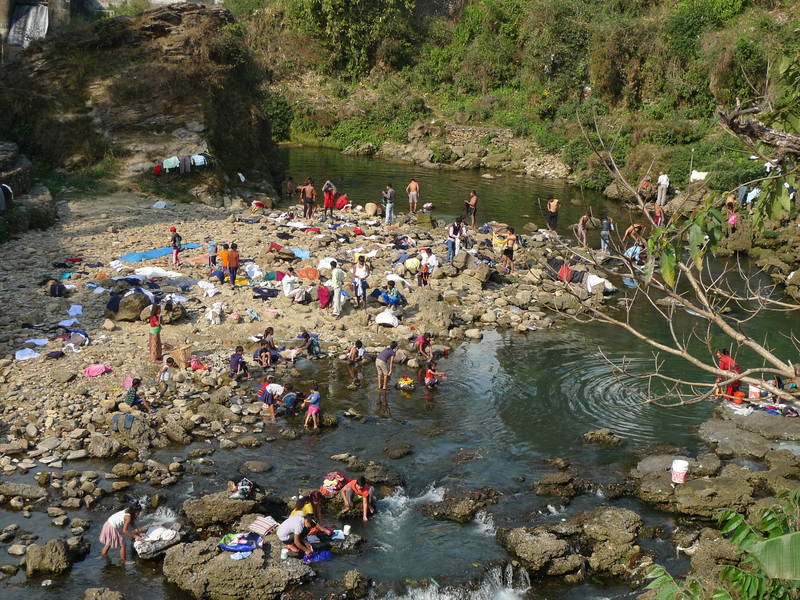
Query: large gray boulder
pixel 728 440
pixel 217 508
pixel 53 557
pixel 462 507
pixel 206 572
pixel 101 446
pixel 29 492
pixel 130 307
pixel 704 497
pixel 140 435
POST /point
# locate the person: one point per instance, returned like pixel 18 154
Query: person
pixel 309 196
pixel 361 272
pixel 508 250
pixel 427 263
pixel 117 527
pixel 635 232
pixel 729 364
pixel 355 356
pixel 636 253
pixel 662 188
pixel 391 296
pixel 55 289
pixel 358 487
pixel 658 215
pixel 290 404
pixel 212 252
pixel 423 346
pixel 154 337
pixel 223 261
pixel 238 364
pixel 471 207
pixel 337 279
pixel 268 338
pixel 268 394
pixel 313 401
pixel 328 194
pixel 291 286
pixel 552 213
pixel 454 235
pixel 383 365
pixel 606 227
pixel 432 376
pixel 134 400
pixel 262 355
pixel 166 379
pixel 310 505
pixel 233 263
pixel 388 199
pixel 730 209
pixel 309 345
pixel 293 533
pixel 581 227
pixel 175 242
pixel 291 189
pixel 412 189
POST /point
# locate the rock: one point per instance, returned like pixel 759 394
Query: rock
pixel 536 549
pixel 396 451
pixel 131 307
pixel 728 440
pixel 378 474
pixel 602 437
pixel 371 209
pixel 460 508
pixel 255 466
pixel 563 484
pixel 140 435
pixel 17 549
pixel 473 334
pixel 108 325
pixel 102 594
pixel 355 584
pixel 53 557
pixel 29 492
pixel 216 508
pixel 202 570
pixel 703 497
pixel 249 441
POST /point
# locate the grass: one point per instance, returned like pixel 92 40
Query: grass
pixel 99 178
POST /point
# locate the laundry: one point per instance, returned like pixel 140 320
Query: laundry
pixel 139 290
pixel 151 254
pixel 151 272
pixel 172 162
pixel 26 354
pixel 214 313
pixel 75 310
pixel 253 271
pixel 300 253
pixel 209 289
pixel 37 341
pixel 68 322
pixel 265 293
pixel 96 370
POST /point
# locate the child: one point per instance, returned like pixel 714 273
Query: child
pixel 212 252
pixel 132 398
pixel 262 356
pixel 238 365
pixel 233 263
pixel 116 527
pixel 267 398
pixel 175 242
pixel 313 402
pixel 223 259
pixel 290 403
pixel 165 376
pixel 432 376
pixel 355 356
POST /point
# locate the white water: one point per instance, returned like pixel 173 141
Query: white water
pixel 396 510
pixel 484 523
pixel 498 584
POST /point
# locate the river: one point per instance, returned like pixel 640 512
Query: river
pixel 509 402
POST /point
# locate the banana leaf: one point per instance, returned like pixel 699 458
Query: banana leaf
pixel 780 556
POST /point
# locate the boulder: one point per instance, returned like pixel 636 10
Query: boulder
pixel 171 313
pixel 460 508
pixel 378 474
pixel 101 446
pixel 255 466
pixel 216 508
pixel 200 569
pixel 395 451
pixel 53 557
pixel 703 497
pixel 536 549
pixel 140 435
pixel 24 490
pixel 102 594
pixel 602 437
pixel 563 484
pixel 371 209
pixel 728 440
pixel 130 307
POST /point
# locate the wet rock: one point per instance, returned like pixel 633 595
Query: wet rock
pixel 703 497
pixel 559 463
pixel 140 436
pixel 602 437
pixel 249 441
pixel 710 555
pixel 728 440
pixel 378 474
pixel 564 484
pixel 216 508
pixel 462 507
pixel 255 466
pixel 200 569
pixel 355 584
pixel 395 451
pixel 764 424
pixel 536 549
pixel 17 549
pixel 29 492
pixel 53 557
pixel 102 594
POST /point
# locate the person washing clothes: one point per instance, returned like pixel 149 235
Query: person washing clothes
pixel 175 242
pixel 359 487
pixel 116 527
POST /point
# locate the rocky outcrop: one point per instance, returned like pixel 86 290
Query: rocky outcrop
pixel 204 571
pixel 53 557
pixel 216 508
pixel 102 594
pixel 602 437
pixel 565 485
pixel 728 440
pixel 460 507
pixel 33 206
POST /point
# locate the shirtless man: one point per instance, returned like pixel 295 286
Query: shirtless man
pixel 412 189
pixel 580 230
pixel 472 207
pixel 508 250
pixel 552 213
pixel 635 232
pixel 309 196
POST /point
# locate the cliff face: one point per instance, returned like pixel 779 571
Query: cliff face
pixel 173 80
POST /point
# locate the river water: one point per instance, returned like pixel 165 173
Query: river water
pixel 509 402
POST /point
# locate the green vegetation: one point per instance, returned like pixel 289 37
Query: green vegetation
pixel 651 73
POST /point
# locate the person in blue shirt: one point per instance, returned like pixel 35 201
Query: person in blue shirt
pixel 290 400
pixel 313 401
pixel 212 253
pixel 238 364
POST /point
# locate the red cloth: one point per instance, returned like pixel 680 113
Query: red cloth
pixel 157 170
pixel 328 202
pixel 273 247
pixel 74 260
pixel 312 230
pixel 342 201
pixel 279 275
pixel 358 231
pixel 324 296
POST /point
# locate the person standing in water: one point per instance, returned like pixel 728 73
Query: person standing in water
pixel 309 197
pixel 412 189
pixel 116 527
pixel 552 213
pixel 291 189
pixel 471 207
pixel 581 227
pixel 606 227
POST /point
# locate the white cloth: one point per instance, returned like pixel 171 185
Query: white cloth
pixel 99 290
pixel 275 389
pixel 68 322
pixel 42 342
pixel 175 298
pixel 593 280
pixel 165 374
pixel 289 284
pixel 116 265
pixel 209 289
pixel 397 279
pixel 149 272
pixel 388 318
pixel 26 354
pixel 75 310
pixel 254 271
pixel 147 293
pixel 117 520
pixel 160 204
pixel 214 313
pixel 698 175
pixel 325 263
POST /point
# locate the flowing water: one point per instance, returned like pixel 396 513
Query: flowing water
pixel 509 402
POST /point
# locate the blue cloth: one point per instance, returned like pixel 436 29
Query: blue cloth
pixel 300 253
pixel 318 556
pixel 150 254
pixel 389 300
pixel 314 399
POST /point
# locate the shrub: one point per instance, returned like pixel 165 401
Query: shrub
pixel 693 17
pixel 277 109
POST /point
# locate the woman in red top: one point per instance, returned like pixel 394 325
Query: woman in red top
pixel 359 487
pixel 727 363
pixel 155 333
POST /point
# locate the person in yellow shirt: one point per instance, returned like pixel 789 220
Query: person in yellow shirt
pixel 311 505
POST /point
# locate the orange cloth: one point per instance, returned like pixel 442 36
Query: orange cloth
pixel 308 273
pixel 222 255
pixel 233 258
pixel 353 485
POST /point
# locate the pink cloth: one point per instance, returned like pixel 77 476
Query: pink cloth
pixel 95 370
pixel 111 536
pixel 324 296
pixel 127 383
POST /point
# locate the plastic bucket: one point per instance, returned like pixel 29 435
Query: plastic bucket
pixel 738 397
pixel 679 470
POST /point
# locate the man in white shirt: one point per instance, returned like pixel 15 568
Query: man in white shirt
pixel 663 186
pixel 337 281
pixel 291 286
